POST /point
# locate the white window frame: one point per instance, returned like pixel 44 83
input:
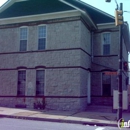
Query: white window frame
pixel 106 44
pixel 23 39
pixel 40 69
pixel 18 81
pixel 42 25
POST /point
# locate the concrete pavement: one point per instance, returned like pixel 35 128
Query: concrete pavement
pixel 91 118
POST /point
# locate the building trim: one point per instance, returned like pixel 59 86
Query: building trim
pixel 105 56
pixel 39 17
pixel 20 0
pixel 100 96
pixel 108 25
pixel 36 23
pixel 104 24
pixel 11 96
pixel 40 67
pixel 101 71
pixel 21 67
pixel 47 50
pixel 46 22
pixel 57 67
pixel 106 30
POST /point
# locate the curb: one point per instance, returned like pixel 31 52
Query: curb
pixel 59 120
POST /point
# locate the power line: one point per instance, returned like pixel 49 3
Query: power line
pixel 127 11
pixel 116 4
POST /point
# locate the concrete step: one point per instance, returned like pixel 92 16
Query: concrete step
pixel 99 108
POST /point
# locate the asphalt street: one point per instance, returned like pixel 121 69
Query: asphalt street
pixel 22 124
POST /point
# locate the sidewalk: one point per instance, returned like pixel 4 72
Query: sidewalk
pixel 91 118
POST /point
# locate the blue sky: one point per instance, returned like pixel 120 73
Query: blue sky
pixel 2 2
pixel 110 7
pixel 106 7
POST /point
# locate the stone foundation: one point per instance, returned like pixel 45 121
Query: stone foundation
pixel 66 104
pixel 11 101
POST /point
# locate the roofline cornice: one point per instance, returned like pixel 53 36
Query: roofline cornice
pixel 107 25
pixel 47 16
pixel 101 24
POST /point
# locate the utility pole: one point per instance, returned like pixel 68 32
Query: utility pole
pixel 119 22
pixel 119 111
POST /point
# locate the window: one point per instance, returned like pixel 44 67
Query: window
pixel 106 43
pixel 23 39
pixel 21 82
pixel 40 82
pixel 106 85
pixel 41 37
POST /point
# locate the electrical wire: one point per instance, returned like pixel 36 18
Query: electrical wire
pixel 117 4
pixel 127 11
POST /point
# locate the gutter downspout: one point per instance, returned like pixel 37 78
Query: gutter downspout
pixel 91 46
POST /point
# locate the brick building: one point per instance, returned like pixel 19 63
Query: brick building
pixel 56 53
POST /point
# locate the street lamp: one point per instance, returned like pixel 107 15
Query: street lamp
pixel 119 22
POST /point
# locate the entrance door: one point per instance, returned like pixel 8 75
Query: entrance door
pixel 106 85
